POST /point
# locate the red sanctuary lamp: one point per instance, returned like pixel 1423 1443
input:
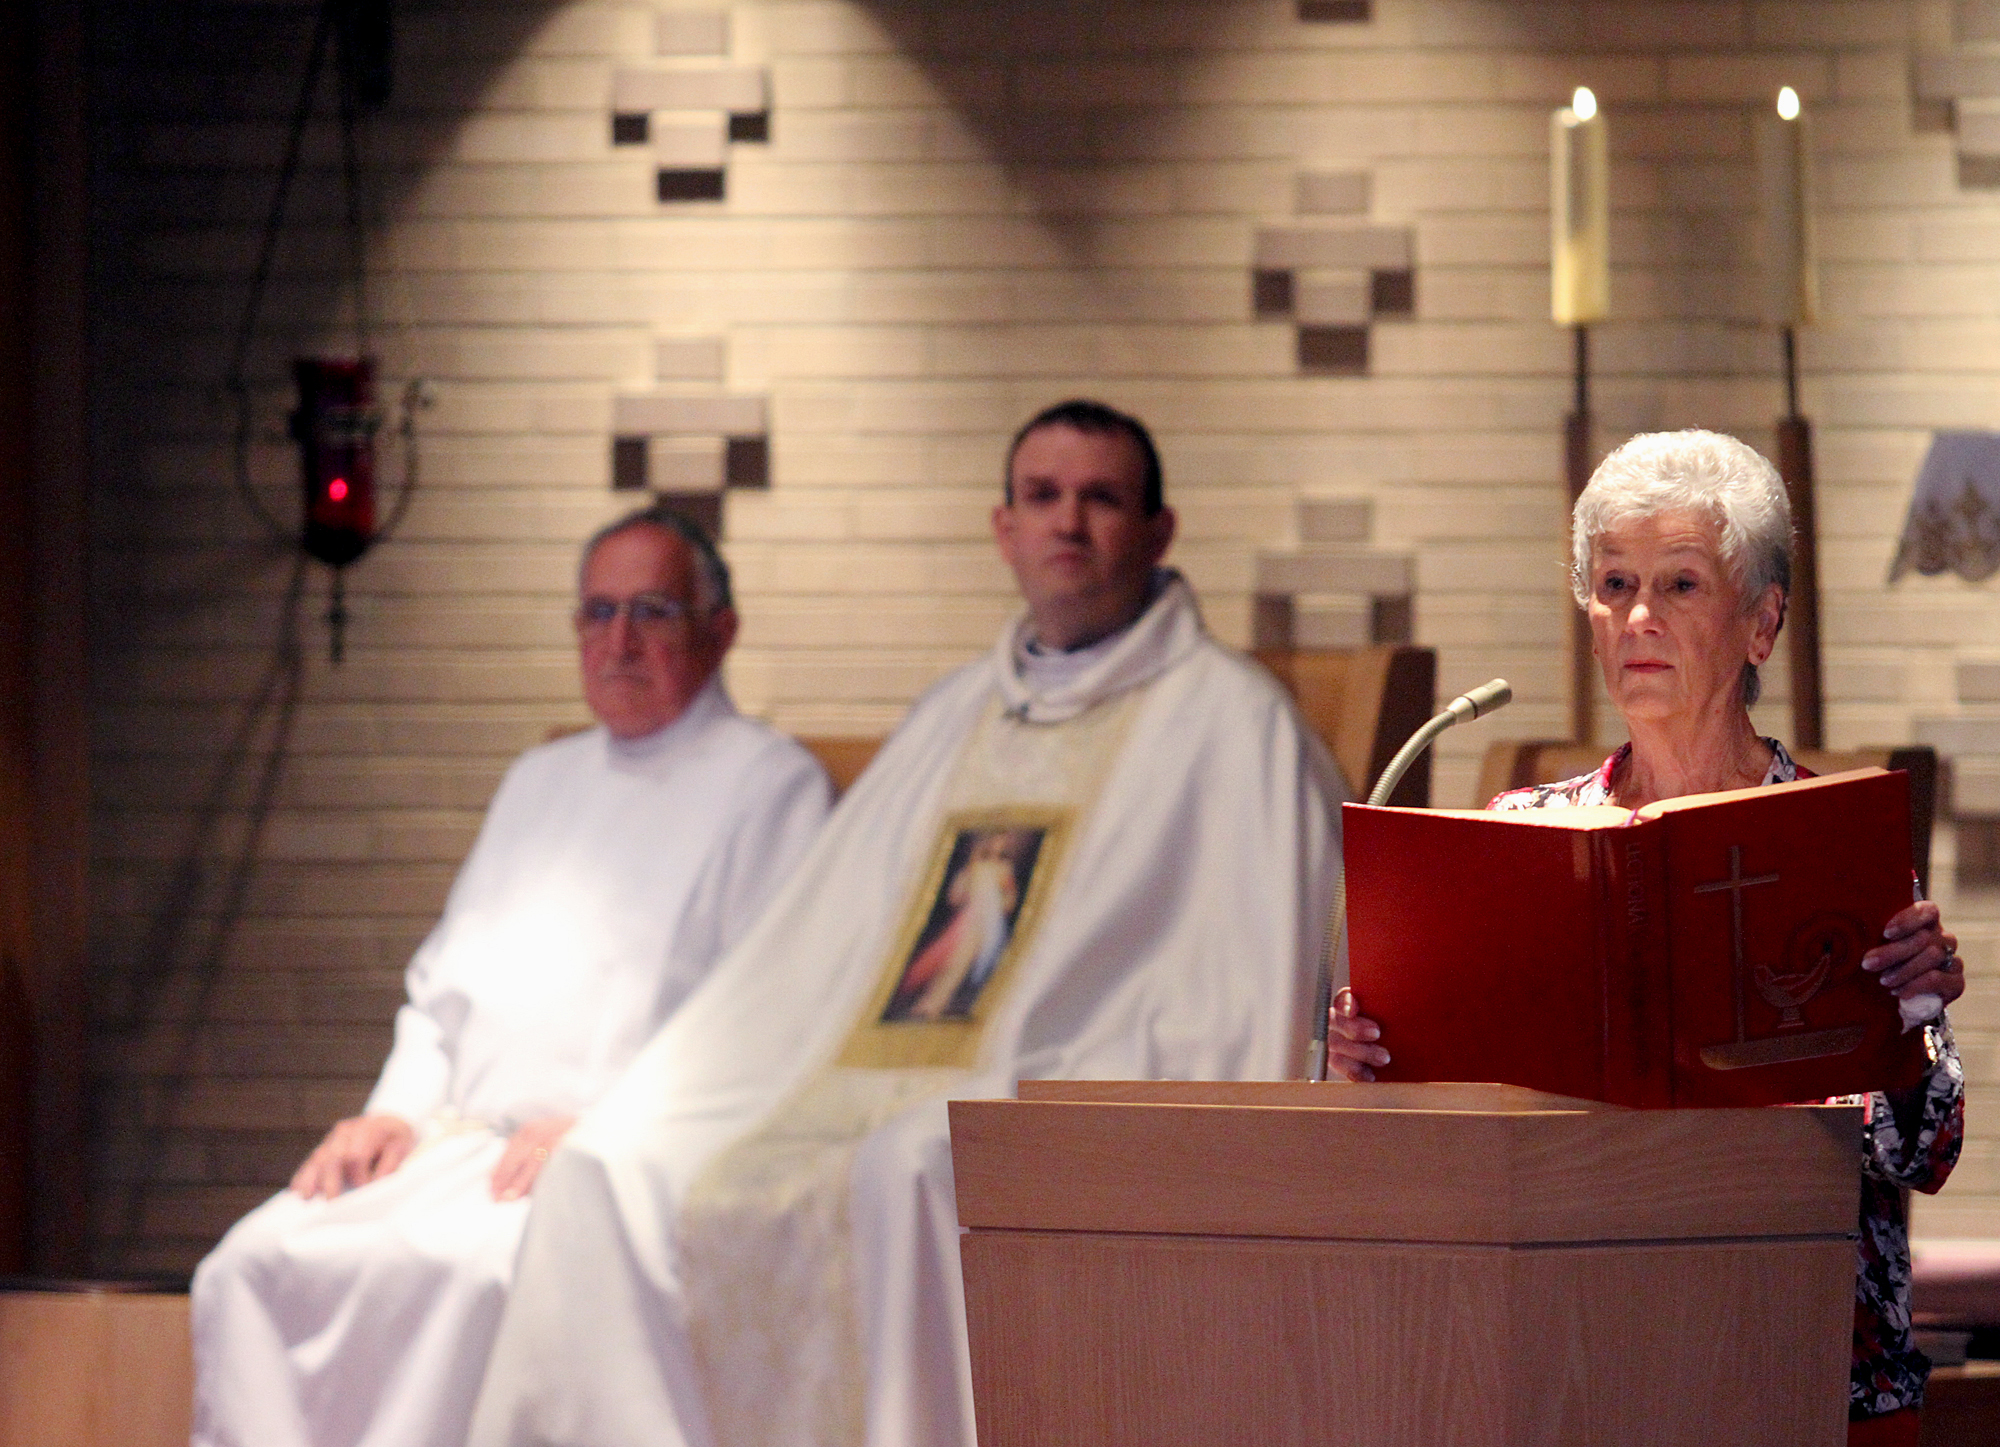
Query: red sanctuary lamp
pixel 335 427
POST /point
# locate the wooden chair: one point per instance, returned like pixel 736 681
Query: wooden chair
pixel 1515 765
pixel 842 758
pixel 1364 702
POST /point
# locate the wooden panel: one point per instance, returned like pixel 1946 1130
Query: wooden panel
pixel 1381 1095
pixel 149 1371
pixel 1375 1174
pixel 1745 1342
pixel 1119 1341
pixel 1338 692
pixel 1131 1342
pixel 1962 1406
pixel 94 1369
pixel 47 1366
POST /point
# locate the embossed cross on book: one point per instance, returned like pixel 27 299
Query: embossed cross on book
pixel 1819 948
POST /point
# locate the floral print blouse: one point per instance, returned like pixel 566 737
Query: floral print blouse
pixel 1909 1140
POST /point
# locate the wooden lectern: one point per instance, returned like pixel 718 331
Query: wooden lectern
pixel 1203 1265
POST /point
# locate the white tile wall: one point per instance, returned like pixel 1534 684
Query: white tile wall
pixel 963 211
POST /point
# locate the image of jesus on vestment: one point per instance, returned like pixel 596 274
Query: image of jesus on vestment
pixel 969 925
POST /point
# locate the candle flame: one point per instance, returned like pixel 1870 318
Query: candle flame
pixel 1583 103
pixel 1788 104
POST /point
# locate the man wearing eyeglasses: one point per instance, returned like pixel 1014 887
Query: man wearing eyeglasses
pixel 614 867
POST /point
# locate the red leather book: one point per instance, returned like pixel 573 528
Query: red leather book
pixel 1701 951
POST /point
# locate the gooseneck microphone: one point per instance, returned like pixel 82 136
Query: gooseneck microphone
pixel 1473 703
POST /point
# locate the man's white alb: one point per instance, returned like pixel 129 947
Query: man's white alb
pixel 753 1238
pixel 608 878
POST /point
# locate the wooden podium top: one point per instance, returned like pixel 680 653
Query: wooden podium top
pixel 1293 1094
pixel 1443 1163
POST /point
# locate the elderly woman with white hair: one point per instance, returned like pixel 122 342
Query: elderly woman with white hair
pixel 1682 560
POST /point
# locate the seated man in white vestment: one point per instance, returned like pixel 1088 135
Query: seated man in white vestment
pixel 1107 849
pixel 614 868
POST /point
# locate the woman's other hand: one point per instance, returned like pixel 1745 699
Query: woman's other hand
pixel 1917 957
pixel 1350 1041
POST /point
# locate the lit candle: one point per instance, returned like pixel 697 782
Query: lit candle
pixel 1784 172
pixel 1580 213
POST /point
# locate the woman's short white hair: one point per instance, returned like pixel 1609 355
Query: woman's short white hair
pixel 1705 473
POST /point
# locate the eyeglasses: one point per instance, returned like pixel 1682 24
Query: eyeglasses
pixel 651 613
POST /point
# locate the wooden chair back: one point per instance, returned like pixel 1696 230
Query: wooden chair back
pixel 1515 765
pixel 842 758
pixel 1363 702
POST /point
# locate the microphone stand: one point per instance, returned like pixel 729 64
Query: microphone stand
pixel 1473 703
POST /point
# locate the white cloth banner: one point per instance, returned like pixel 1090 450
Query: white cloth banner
pixel 1953 525
pixel 1175 937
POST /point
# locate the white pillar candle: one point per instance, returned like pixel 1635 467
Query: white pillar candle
pixel 1784 175
pixel 1580 213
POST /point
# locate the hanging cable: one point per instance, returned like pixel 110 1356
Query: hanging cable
pixel 260 276
pixel 336 422
pixel 350 174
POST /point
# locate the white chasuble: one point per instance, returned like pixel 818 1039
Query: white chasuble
pixel 607 879
pixel 765 1237
pixel 1119 871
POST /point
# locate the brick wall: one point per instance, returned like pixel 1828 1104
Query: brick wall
pixel 958 211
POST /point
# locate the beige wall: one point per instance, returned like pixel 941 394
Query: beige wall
pixel 964 210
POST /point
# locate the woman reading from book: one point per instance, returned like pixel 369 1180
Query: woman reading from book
pixel 1682 559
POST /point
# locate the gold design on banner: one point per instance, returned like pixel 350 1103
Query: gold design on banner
pixel 963 934
pixel 1961 538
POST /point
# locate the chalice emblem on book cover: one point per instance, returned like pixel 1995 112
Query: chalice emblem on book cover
pixel 1822 948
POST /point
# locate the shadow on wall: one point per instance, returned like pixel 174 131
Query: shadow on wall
pixel 1057 91
pixel 188 936
pixel 198 612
